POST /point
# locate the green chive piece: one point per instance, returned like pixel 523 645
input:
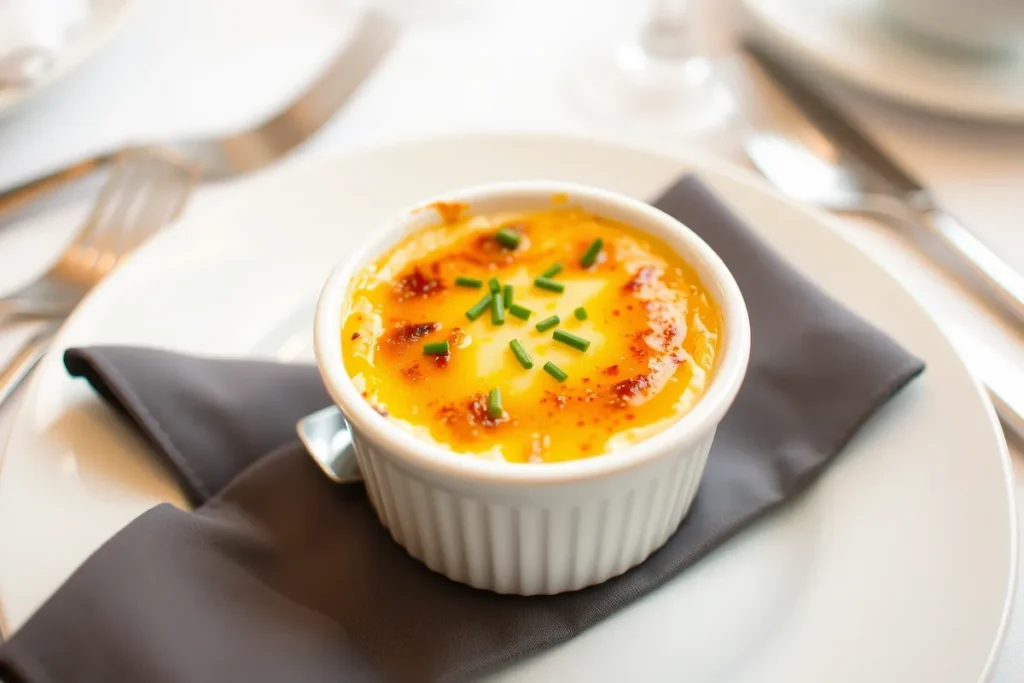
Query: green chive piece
pixel 494 408
pixel 520 353
pixel 549 284
pixel 591 254
pixel 471 282
pixel 547 323
pixel 553 270
pixel 555 371
pixel 479 308
pixel 497 310
pixel 569 339
pixel 580 313
pixel 520 312
pixel 509 239
pixel 507 295
pixel 494 285
pixel 436 348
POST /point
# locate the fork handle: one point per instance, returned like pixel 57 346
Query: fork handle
pixel 23 362
pixel 20 195
pixel 999 280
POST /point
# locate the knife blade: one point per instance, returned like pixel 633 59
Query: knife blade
pixel 833 124
pixel 986 271
pixel 820 133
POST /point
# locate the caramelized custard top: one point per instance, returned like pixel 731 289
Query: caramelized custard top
pixel 653 334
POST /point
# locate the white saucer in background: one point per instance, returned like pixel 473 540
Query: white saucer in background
pixel 100 26
pixel 853 41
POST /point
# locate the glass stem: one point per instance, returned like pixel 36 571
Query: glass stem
pixel 666 33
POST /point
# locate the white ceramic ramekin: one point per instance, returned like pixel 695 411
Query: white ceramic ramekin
pixel 535 528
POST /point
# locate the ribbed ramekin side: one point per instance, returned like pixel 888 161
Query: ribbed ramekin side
pixel 550 540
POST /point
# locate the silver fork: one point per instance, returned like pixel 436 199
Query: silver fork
pixel 146 190
pixel 373 36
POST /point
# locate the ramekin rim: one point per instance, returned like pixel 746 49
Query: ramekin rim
pixel 421 454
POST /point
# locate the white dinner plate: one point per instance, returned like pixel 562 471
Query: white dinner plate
pixel 104 21
pixel 854 41
pixel 897 566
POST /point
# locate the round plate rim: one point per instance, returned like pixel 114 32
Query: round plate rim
pixel 688 159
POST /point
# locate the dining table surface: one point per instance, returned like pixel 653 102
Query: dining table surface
pixel 186 67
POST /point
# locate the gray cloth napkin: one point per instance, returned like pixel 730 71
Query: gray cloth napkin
pixel 279 575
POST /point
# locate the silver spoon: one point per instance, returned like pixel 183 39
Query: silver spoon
pixel 325 435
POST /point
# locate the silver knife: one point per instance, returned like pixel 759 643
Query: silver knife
pixel 989 272
pixel 372 38
pixel 802 161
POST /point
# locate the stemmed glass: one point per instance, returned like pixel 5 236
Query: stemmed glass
pixel 657 82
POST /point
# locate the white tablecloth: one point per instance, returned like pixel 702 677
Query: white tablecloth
pixel 187 66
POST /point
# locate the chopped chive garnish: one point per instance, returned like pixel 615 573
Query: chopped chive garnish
pixel 507 295
pixel 494 285
pixel 494 408
pixel 479 308
pixel 591 254
pixel 520 312
pixel 548 284
pixel 553 270
pixel 580 313
pixel 471 282
pixel 436 348
pixel 555 371
pixel 569 339
pixel 547 323
pixel 520 353
pixel 509 239
pixel 497 310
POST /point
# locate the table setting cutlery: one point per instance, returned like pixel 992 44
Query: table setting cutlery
pixel 250 150
pixel 325 437
pixel 144 192
pixel 811 151
pixel 200 483
pixel 148 186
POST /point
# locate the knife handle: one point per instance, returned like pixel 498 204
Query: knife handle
pixel 995 275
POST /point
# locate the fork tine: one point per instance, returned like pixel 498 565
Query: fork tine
pixel 97 246
pixel 98 215
pixel 145 193
pixel 160 200
pixel 146 190
pixel 130 189
pixel 156 212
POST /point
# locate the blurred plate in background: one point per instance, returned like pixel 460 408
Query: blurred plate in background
pixel 853 41
pixel 105 20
